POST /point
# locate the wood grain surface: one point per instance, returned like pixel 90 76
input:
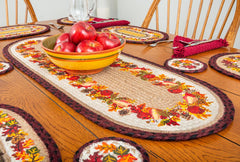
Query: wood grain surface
pixel 70 130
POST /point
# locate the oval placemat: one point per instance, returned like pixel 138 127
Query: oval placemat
pixel 111 149
pixel 134 34
pixel 226 63
pixel 132 96
pixel 17 31
pixel 23 137
pixel 185 65
pixel 5 67
pixel 96 22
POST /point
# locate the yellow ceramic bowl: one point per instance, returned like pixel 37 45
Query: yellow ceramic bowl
pixel 81 63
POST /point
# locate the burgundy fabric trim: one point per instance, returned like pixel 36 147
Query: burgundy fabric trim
pixel 213 64
pixel 138 147
pixel 50 144
pixel 25 35
pixel 105 123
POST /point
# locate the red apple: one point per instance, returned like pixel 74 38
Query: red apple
pixel 108 40
pixel 64 37
pixel 65 47
pixel 89 46
pixel 82 31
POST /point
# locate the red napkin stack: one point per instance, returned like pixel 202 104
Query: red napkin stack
pixel 183 50
pixel 101 23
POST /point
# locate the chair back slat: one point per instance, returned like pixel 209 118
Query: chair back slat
pixel 226 18
pixel 7 15
pixel 150 13
pixel 157 19
pixel 26 15
pixel 197 20
pixel 29 9
pixel 206 19
pixel 168 16
pixel 178 16
pixel 232 31
pixel 217 19
pixel 188 18
pixel 16 16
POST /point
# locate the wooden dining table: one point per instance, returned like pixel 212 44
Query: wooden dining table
pixel 71 130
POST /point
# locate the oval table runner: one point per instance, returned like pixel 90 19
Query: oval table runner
pixel 17 31
pixel 111 149
pixel 23 138
pixel 5 67
pixel 226 63
pixel 135 34
pixel 132 96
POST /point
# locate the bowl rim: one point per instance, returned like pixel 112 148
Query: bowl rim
pixel 84 53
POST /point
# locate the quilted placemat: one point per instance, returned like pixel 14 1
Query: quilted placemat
pixel 17 31
pixel 134 34
pixel 111 149
pixel 96 22
pixel 226 63
pixel 186 65
pixel 132 96
pixel 23 138
pixel 5 67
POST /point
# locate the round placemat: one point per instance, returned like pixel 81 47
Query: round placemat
pixel 226 63
pixel 17 31
pixel 23 138
pixel 111 149
pixel 186 65
pixel 5 67
pixel 134 34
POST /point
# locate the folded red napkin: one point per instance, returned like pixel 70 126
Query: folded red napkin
pixel 101 23
pixel 183 50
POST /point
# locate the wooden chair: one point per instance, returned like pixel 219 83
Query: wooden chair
pixel 29 9
pixel 202 9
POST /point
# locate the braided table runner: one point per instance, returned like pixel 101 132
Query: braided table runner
pixel 17 31
pixel 111 149
pixel 132 96
pixel 5 67
pixel 226 63
pixel 23 138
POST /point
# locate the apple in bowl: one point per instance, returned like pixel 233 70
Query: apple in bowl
pixel 84 61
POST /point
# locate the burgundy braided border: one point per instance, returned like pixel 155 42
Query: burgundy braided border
pixel 105 123
pixel 134 144
pixel 6 70
pixel 30 34
pixel 165 36
pixel 187 71
pixel 213 64
pixel 50 144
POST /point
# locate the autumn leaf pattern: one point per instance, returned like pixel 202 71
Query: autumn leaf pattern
pixel 193 105
pixel 105 152
pixel 23 146
pixel 232 62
